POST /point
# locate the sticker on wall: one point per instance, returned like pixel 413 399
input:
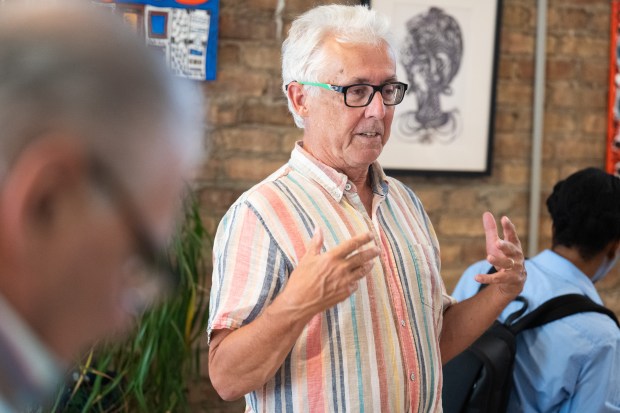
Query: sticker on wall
pixel 184 32
pixel 182 36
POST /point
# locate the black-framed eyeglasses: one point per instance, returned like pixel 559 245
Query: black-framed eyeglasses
pixel 361 94
pixel 151 266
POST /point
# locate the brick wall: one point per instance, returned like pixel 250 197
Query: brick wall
pixel 252 132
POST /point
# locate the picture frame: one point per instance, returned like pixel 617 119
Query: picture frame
pixel 447 52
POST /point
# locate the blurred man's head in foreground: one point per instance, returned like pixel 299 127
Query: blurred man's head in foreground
pixel 96 142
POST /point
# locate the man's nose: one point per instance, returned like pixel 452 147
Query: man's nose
pixel 375 108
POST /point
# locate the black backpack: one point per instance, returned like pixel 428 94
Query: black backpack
pixel 480 378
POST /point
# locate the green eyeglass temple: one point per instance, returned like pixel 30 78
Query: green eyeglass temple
pixel 323 85
pixel 397 97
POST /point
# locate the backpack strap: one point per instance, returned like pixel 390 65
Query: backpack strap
pixel 551 310
pixel 559 307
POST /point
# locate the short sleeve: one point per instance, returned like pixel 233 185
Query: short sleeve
pixel 249 270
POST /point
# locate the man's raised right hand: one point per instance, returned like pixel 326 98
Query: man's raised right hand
pixel 322 280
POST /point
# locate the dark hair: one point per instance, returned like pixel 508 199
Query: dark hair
pixel 585 209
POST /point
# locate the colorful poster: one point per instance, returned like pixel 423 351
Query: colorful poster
pixel 181 35
pixel 184 32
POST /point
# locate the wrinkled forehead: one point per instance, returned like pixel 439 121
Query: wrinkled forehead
pixel 356 62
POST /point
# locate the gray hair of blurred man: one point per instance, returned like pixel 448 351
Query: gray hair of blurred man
pixel 303 57
pixel 66 66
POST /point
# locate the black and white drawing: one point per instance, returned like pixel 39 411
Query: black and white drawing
pixel 446 51
pixel 431 55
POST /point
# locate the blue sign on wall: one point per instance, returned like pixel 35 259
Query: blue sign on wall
pixel 184 31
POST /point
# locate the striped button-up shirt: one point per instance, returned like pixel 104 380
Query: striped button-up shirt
pixel 378 350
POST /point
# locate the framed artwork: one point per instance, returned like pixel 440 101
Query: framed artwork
pixel 612 161
pixel 447 52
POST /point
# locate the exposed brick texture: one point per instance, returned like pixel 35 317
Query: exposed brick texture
pixel 252 132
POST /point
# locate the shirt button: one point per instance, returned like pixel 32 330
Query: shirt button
pixel 402 323
pixel 412 376
pixel 347 187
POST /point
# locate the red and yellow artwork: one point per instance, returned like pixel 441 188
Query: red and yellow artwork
pixel 612 161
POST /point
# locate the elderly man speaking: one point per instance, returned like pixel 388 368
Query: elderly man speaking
pixel 326 291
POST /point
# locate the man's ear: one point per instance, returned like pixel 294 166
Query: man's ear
pixel 297 96
pixel 42 179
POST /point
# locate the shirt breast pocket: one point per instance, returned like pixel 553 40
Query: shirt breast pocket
pixel 428 280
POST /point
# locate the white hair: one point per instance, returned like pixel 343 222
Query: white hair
pixel 302 52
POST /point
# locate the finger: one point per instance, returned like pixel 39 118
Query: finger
pixel 510 232
pixel 357 275
pixel 352 287
pixel 316 243
pixel 495 278
pixel 361 271
pixel 486 278
pixel 347 247
pixel 490 231
pixel 502 277
pixel 362 258
pixel 503 262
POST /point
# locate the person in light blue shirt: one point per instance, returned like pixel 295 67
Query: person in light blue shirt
pixel 572 364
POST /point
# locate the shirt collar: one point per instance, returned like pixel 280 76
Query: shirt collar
pixel 562 269
pixel 333 181
pixel 35 372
